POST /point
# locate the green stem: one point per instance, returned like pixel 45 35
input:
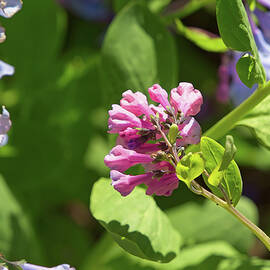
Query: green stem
pixel 198 189
pixel 230 120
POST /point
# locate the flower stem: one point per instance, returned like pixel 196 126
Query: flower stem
pixel 251 226
pixel 230 120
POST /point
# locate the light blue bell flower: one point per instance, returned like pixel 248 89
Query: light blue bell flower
pixel 9 7
pixel 28 266
pixel 6 69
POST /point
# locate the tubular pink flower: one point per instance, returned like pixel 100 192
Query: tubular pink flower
pixel 121 159
pixel 158 94
pixel 190 131
pixel 163 186
pixel 120 119
pixel 186 99
pixel 124 183
pixel 163 165
pixel 135 103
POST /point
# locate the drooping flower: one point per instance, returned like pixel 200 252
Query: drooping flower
pixel 28 266
pixel 230 85
pixel 5 125
pixel 186 99
pixel 142 137
pixel 9 7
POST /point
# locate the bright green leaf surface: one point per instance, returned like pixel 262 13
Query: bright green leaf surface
pixel 135 222
pixel 138 51
pixel 234 26
pixel 232 182
pixel 249 71
pixel 216 177
pixel 208 222
pixel 201 38
pixel 259 122
pixel 190 167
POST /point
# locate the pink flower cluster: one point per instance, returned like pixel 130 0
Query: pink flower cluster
pixel 142 137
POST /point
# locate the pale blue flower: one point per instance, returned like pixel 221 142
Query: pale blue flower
pixel 6 69
pixel 9 7
pixel 28 266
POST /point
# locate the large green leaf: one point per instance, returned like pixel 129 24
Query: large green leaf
pixel 234 26
pixel 259 121
pixel 232 183
pixel 17 238
pixel 202 256
pixel 138 51
pixel 135 222
pixel 249 70
pixel 224 225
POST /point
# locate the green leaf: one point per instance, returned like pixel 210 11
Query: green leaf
pixel 230 150
pixel 232 183
pixel 136 53
pixel 203 256
pixel 18 239
pixel 190 167
pixel 249 71
pixel 258 121
pixel 201 38
pixel 135 222
pixel 216 177
pixel 234 26
pixel 225 226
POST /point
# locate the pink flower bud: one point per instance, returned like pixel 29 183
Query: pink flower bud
pixel 159 95
pixel 190 130
pixel 126 183
pixel 120 119
pixel 121 159
pixel 186 99
pixel 135 103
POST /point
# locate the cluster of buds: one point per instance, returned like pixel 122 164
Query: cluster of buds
pixel 153 136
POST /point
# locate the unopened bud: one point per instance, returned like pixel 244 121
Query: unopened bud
pixel 173 133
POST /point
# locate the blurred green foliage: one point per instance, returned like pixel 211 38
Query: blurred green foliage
pixel 68 72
